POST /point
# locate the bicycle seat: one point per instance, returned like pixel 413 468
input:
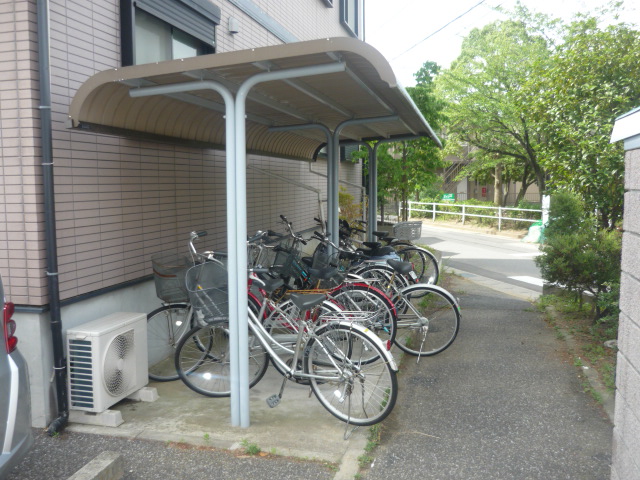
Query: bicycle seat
pixel 272 284
pixel 401 267
pixel 380 234
pixel 306 301
pixel 378 252
pixel 372 245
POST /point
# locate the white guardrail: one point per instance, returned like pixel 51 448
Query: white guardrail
pixel 432 209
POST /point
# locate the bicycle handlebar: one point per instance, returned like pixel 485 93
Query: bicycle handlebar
pixel 194 235
pixel 258 236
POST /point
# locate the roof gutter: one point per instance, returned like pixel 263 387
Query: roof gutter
pixel 59 363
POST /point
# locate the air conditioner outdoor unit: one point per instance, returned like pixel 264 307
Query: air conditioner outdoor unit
pixel 106 360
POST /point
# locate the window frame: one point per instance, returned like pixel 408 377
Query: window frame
pixel 344 16
pixel 203 30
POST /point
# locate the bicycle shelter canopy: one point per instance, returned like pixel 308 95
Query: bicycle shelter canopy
pixel 255 101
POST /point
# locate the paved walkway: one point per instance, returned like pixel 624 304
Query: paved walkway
pixel 503 402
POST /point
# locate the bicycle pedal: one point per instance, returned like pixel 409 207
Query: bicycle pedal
pixel 273 401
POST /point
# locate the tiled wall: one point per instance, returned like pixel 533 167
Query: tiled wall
pixel 119 200
pixel 313 21
pixel 21 238
pixel 626 433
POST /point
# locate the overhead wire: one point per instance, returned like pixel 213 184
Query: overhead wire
pixel 439 30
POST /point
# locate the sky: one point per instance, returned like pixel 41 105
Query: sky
pixel 411 32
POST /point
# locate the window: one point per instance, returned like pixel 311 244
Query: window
pixel 156 30
pixel 350 16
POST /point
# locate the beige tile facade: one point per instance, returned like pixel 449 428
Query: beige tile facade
pixel 119 200
pixel 626 433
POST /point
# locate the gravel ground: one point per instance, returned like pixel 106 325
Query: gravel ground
pixel 57 458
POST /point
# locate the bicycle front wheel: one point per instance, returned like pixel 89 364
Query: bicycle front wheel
pixel 355 391
pixel 165 327
pixel 428 320
pixel 202 360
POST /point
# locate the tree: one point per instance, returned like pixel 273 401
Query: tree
pixel 482 90
pixel 591 79
pixel 407 167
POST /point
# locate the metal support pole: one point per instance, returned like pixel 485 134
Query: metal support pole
pixel 332 181
pixel 232 237
pixel 240 194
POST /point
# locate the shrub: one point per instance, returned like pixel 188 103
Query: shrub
pixel 578 256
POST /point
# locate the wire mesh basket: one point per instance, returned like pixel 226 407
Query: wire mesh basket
pixel 207 285
pixel 324 259
pixel 407 230
pixel 287 261
pixel 169 269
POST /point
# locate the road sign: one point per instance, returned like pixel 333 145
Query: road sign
pixel 448 197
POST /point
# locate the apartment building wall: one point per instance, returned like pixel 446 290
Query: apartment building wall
pixel 626 432
pixel 121 199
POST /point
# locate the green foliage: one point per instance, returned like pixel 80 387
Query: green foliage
pixel 531 98
pixel 250 448
pixel 486 118
pixel 405 169
pixel 579 256
pixel 590 79
pixel 349 209
pixel 566 214
pixel 609 309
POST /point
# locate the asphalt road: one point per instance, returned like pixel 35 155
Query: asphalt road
pixel 497 257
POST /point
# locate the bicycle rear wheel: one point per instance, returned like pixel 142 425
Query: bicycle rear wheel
pixel 165 326
pixel 202 360
pixel 381 275
pixel 425 264
pixel 356 392
pixel 428 320
pixel 366 298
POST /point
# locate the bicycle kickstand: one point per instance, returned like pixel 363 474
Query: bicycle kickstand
pixel 274 400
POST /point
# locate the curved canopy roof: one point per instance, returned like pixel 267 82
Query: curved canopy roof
pixel 366 89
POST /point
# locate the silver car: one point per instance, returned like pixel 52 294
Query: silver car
pixel 16 437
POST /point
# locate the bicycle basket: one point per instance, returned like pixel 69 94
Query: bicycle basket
pixel 169 269
pixel 322 259
pixel 286 262
pixel 407 230
pixel 207 285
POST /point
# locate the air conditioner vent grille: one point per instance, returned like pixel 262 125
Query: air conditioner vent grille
pixel 81 373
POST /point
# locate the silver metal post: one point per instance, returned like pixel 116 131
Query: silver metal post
pixel 232 214
pixel 240 194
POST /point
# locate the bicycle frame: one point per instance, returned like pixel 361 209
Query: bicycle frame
pixel 266 340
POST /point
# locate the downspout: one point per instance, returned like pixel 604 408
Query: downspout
pixel 59 363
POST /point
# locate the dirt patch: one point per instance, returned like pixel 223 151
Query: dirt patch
pixel 589 345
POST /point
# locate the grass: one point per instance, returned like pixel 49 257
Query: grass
pixel 250 448
pixel 573 321
pixel 373 440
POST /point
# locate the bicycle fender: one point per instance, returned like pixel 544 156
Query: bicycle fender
pixel 435 288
